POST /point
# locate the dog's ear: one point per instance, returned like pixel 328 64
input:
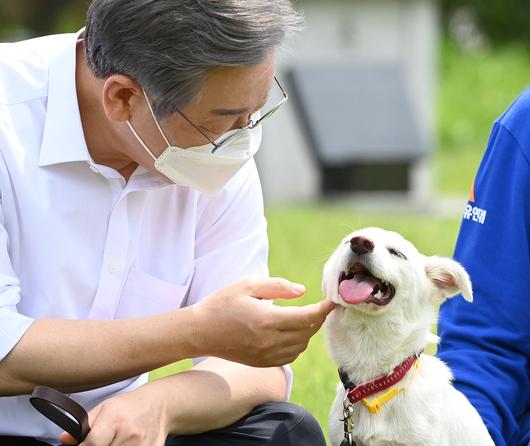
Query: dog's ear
pixel 448 278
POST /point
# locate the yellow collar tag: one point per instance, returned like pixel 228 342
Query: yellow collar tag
pixel 374 405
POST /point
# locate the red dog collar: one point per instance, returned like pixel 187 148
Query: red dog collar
pixel 360 391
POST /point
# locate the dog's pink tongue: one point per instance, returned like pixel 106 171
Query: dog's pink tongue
pixel 357 290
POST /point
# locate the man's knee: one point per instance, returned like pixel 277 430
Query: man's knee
pixel 272 424
pixel 291 425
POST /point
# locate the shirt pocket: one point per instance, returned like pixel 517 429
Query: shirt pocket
pixel 146 295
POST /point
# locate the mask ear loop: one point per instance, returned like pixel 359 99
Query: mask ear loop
pixel 156 120
pixel 140 140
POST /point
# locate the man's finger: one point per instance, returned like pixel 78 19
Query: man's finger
pixel 296 318
pixel 271 288
pixel 66 438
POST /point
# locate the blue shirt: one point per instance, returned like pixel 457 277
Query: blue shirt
pixel 487 343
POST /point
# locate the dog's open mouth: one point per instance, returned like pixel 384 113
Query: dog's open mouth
pixel 358 285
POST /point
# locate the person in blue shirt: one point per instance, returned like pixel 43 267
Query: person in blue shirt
pixel 487 345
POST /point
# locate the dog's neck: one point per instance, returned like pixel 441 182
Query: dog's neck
pixel 366 346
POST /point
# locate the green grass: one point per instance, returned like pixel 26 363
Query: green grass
pixel 474 90
pixel 454 171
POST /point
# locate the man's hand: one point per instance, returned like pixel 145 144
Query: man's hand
pixel 237 323
pixel 137 418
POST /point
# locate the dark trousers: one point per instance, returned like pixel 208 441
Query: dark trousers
pixel 274 424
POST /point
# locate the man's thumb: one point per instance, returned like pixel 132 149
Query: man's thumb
pixel 273 288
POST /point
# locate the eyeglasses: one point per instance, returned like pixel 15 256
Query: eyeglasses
pixel 239 132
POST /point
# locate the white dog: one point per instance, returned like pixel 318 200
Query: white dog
pixel 386 293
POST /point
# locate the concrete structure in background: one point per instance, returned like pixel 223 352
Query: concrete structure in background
pixel 395 36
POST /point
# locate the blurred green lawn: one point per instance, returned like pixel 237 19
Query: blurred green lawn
pixel 474 90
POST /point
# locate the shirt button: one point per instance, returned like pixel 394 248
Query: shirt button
pixel 113 267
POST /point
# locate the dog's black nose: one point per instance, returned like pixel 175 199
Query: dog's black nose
pixel 361 245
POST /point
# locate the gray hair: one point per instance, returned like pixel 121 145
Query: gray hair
pixel 169 46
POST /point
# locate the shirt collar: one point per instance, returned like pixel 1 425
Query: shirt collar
pixel 63 140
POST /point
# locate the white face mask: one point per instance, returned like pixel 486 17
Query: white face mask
pixel 198 167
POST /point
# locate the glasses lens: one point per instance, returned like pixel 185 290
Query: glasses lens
pixel 273 110
pixel 233 138
pixel 277 97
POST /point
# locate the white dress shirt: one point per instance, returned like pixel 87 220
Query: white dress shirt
pixel 78 242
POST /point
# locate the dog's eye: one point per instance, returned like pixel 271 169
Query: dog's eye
pixel 396 253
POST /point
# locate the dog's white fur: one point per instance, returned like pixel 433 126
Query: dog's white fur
pixel 368 341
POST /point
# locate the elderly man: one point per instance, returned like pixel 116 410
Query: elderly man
pixel 129 196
